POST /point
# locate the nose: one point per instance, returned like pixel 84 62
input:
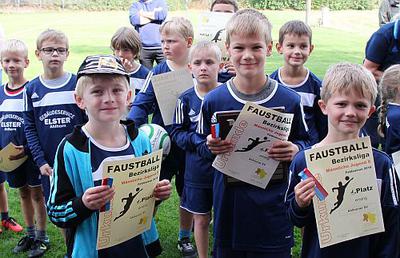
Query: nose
pixel 203 67
pixel 55 51
pixel 350 111
pixel 109 96
pixel 247 54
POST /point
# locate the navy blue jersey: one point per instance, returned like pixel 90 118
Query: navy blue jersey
pixel 138 78
pixel 198 171
pixel 11 117
pixel 310 92
pixel 392 135
pixel 384 244
pixel 146 103
pixel 247 217
pixel 50 114
pixel 383 47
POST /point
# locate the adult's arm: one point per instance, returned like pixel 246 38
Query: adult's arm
pixel 373 68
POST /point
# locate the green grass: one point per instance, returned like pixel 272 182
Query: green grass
pixel 90 33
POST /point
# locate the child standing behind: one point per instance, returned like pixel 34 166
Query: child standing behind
pixel 50 109
pixel 389 115
pixel 76 194
pixel 126 44
pixel 14 60
pixel 295 46
pixel 348 97
pixel 250 221
pixel 176 40
pixel 205 62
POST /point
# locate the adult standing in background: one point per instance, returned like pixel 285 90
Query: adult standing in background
pixel 387 10
pixel 147 16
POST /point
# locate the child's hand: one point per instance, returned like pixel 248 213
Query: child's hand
pixel 218 146
pixel 20 155
pixel 96 197
pixel 230 68
pixel 162 190
pixel 46 170
pixel 127 65
pixel 283 150
pixel 304 192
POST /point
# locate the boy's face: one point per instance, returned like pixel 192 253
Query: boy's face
pixel 295 49
pixel 105 99
pixel 52 54
pixel 205 67
pixel 14 64
pixel 125 54
pixel 347 112
pixel 223 8
pixel 247 53
pixel 175 48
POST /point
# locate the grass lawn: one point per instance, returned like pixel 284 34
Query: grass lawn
pixel 90 33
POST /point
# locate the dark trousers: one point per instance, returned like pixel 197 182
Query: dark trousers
pixel 148 56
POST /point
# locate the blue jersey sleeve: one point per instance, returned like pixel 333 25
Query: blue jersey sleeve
pixel 31 133
pixel 181 133
pixel 143 105
pixel 203 130
pixel 377 48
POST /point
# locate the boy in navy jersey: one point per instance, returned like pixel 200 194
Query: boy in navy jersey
pixel 250 221
pixel 205 62
pixel 14 59
pixel 176 40
pixel 295 46
pixel 76 194
pixel 126 44
pixel 50 109
pixel 348 96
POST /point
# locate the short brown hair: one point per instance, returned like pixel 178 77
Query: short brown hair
pixel 296 27
pixel 126 37
pixel 51 34
pixel 230 2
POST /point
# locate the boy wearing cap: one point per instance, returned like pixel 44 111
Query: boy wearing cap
pixel 76 194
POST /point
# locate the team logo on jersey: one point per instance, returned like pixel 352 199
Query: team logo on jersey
pixel 10 122
pixel 57 118
pixel 192 112
pixel 194 118
pixel 34 96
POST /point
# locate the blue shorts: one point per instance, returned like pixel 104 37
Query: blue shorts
pixel 26 174
pixel 225 252
pixel 197 200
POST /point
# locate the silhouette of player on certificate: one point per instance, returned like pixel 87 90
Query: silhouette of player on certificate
pixel 128 201
pixel 341 190
pixel 253 144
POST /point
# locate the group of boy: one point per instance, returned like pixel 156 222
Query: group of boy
pixel 248 221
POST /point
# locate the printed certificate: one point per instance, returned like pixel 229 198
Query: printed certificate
pixel 253 133
pixel 167 88
pixel 7 165
pixel 133 203
pixel 352 208
pixel 396 161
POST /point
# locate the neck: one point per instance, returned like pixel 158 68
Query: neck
pixel 179 64
pixel 16 83
pixel 332 137
pixel 107 134
pixel 204 88
pixel 51 75
pixel 293 74
pixel 251 85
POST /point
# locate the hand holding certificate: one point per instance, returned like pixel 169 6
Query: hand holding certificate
pixel 10 157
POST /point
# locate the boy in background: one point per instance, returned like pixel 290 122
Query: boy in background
pixel 205 62
pixel 177 38
pixel 295 47
pixel 348 97
pixel 77 194
pixel 14 60
pixel 50 109
pixel 250 221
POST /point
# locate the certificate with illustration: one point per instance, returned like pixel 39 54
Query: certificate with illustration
pixel 352 208
pixel 131 210
pixel 252 134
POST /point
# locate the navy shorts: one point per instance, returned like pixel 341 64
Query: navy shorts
pixel 174 165
pixel 26 174
pixel 197 200
pixel 224 252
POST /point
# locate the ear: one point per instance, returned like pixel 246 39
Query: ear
pixel 269 48
pixel 26 62
pixel 311 48
pixel 189 42
pixel 322 106
pixel 129 97
pixel 79 101
pixel 279 48
pixel 190 67
pixel 37 54
pixel 221 65
pixel 371 110
pixel 67 54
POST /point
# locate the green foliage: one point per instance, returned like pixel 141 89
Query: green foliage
pixel 316 4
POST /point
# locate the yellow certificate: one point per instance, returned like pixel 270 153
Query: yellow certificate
pixel 7 165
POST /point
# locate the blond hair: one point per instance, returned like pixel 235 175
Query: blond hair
pixel 296 27
pixel 206 45
pixel 126 37
pixel 249 22
pixel 345 77
pixel 86 80
pixel 389 87
pixel 14 45
pixel 51 35
pixel 179 25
